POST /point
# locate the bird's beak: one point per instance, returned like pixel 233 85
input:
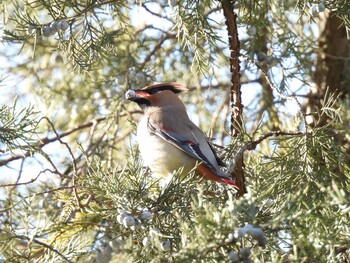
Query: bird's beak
pixel 130 94
pixel 135 94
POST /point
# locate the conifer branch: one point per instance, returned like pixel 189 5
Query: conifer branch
pixel 26 239
pixel 50 190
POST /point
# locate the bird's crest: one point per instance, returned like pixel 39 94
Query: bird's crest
pixel 172 86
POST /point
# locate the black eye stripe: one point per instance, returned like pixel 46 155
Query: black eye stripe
pixel 161 88
pixel 153 91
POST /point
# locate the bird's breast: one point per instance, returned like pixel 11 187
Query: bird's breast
pixel 159 155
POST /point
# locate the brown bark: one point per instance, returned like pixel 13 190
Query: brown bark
pixel 235 89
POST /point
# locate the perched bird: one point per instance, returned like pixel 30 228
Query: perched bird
pixel 168 139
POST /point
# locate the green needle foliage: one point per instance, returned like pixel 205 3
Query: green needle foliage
pixel 73 187
pixel 18 128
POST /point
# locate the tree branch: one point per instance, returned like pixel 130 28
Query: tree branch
pixel 73 160
pixel 25 183
pixel 50 248
pixel 156 48
pixel 45 141
pixel 235 89
pixel 249 146
pixel 34 240
pixel 252 145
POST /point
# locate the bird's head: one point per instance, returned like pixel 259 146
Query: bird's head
pixel 158 95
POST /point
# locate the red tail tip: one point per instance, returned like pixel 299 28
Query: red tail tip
pixel 230 182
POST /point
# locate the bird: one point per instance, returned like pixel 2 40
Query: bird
pixel 168 140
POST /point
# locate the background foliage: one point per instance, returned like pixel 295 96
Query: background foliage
pixel 72 185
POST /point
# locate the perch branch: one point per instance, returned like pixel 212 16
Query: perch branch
pixel 235 89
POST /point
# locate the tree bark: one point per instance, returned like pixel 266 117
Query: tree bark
pixel 235 89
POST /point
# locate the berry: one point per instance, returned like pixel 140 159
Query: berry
pixel 129 221
pixel 231 237
pixel 239 233
pixel 251 31
pixel 248 229
pixel 136 226
pixel 155 231
pixel 121 217
pixel 47 31
pixel 55 26
pixel 257 233
pixel 140 77
pixel 244 252
pixel 165 245
pixel 146 241
pixel 321 7
pixel 146 215
pixel 63 25
pixel 31 29
pixel 262 241
pixel 317 8
pixel 120 80
pixel 233 256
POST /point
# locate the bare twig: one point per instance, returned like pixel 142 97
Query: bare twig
pixel 156 48
pixel 13 186
pixel 217 112
pixel 73 160
pixel 45 141
pixel 154 13
pixel 28 182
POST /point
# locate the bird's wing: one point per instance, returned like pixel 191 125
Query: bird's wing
pixel 204 142
pixel 190 140
pixel 187 145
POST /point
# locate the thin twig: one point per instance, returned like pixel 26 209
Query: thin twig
pixel 73 160
pixel 283 96
pixel 249 146
pixel 155 14
pixel 13 186
pixel 252 145
pixel 45 141
pixel 217 112
pixel 34 240
pixel 35 194
pixel 50 248
pixel 156 48
pixel 25 183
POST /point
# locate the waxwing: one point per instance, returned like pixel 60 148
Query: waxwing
pixel 168 139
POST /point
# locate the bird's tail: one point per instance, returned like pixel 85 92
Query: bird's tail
pixel 217 176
